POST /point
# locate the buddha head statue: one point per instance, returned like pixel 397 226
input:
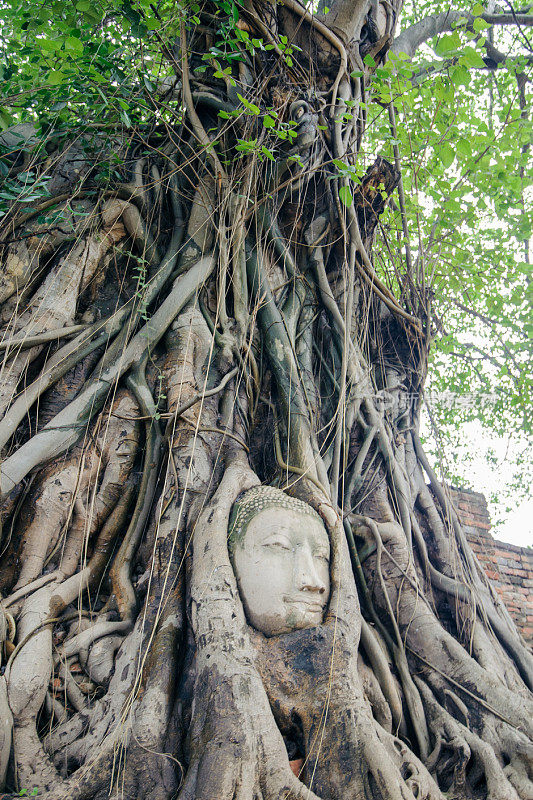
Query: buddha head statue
pixel 280 553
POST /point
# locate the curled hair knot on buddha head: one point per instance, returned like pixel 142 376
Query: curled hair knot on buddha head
pixel 255 500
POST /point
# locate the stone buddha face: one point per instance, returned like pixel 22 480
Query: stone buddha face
pixel 280 552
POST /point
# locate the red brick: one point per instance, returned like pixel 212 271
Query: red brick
pixel 476 523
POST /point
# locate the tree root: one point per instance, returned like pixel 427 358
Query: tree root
pixel 503 783
pixel 30 667
pixel 65 429
pixel 234 747
pixel 108 461
pixel 54 303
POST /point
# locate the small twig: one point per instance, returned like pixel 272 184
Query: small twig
pixel 196 122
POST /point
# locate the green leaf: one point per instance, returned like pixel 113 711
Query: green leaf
pixel 268 122
pixel 249 106
pixel 55 78
pixel 460 75
pixel 246 146
pixel 471 58
pixel 5 119
pixel 446 154
pixel 464 147
pixel 346 196
pixel 149 85
pixel 480 24
pixel 448 43
pixel 74 45
pixel 49 45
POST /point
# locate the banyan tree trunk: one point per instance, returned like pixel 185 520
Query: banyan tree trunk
pixel 211 322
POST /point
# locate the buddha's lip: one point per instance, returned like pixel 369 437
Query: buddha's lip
pixel 303 601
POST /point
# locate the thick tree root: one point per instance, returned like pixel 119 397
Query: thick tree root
pixel 471 754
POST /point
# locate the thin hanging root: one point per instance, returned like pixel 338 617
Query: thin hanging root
pixel 380 708
pixel 90 634
pixel 52 507
pixel 100 332
pixel 382 672
pixel 19 595
pixel 198 128
pixel 442 656
pixel 135 226
pixel 386 758
pixel 283 363
pixel 57 366
pixel 26 256
pixel 287 467
pixel 471 595
pixel 199 397
pixel 355 481
pixel 508 637
pixel 74 694
pixel 30 667
pixel 120 571
pixel 25 342
pixel 332 38
pixel 117 445
pixel 101 658
pixel 97 335
pixel 411 694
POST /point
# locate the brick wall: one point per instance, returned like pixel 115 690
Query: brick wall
pixel 510 568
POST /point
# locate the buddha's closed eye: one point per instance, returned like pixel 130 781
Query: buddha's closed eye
pixel 280 543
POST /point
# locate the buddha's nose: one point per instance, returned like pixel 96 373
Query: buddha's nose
pixel 307 577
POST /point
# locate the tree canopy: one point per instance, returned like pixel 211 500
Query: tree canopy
pixel 451 109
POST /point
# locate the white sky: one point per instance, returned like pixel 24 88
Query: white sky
pixel 516 526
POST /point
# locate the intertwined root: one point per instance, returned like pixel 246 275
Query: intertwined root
pixel 471 758
pixel 67 509
pixel 53 306
pixel 31 666
pixel 236 750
